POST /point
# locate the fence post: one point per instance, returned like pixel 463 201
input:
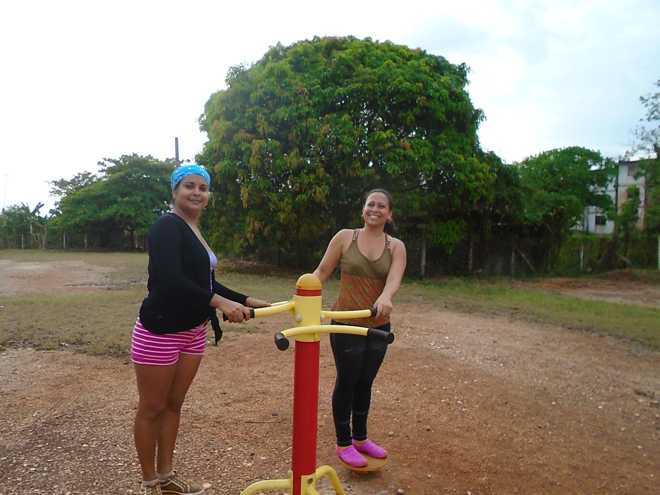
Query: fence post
pixel 513 261
pixel 581 257
pixel 422 261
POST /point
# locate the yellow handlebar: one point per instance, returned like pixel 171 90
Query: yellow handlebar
pixel 297 331
pixel 275 308
pixel 282 341
pixel 346 315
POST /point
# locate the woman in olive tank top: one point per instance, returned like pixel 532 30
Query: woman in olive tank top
pixel 372 265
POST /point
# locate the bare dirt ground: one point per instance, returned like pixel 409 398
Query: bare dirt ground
pixel 467 404
pixel 620 286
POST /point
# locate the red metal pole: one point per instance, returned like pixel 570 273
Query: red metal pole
pixel 305 411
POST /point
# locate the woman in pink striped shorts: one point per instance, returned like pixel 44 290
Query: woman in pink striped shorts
pixel 170 334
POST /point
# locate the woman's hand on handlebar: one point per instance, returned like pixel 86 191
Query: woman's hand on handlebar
pixel 235 312
pixel 383 306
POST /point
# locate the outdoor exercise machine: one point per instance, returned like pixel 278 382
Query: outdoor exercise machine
pixel 306 306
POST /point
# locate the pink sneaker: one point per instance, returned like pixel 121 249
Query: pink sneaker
pixel 351 456
pixel 371 448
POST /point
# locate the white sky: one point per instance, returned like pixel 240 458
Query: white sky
pixel 85 80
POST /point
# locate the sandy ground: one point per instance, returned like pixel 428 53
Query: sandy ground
pixel 467 404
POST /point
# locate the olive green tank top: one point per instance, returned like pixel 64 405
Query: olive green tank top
pixel 362 281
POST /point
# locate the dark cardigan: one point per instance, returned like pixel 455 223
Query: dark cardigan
pixel 180 279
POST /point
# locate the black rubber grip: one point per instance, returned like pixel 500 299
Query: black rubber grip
pixel 373 311
pixel 224 316
pixel 381 334
pixel 281 341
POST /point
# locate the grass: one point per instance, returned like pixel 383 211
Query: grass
pixel 633 322
pixel 99 322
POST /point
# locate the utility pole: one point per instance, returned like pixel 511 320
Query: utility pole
pixel 176 151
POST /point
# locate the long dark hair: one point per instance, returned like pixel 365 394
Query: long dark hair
pixel 390 228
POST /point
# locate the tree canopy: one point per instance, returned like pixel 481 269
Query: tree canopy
pixel 296 140
pixel 21 226
pixel 557 186
pixel 126 198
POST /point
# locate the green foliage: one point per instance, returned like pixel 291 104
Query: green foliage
pixel 650 170
pixel 296 139
pixel 127 197
pixel 580 253
pixel 62 188
pixel 557 185
pixel 448 234
pixel 628 216
pixel 21 226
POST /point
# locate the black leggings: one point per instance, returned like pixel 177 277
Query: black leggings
pixel 357 360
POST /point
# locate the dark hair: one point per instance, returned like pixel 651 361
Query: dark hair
pixel 390 228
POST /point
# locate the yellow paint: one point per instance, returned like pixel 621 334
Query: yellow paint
pixel 307 315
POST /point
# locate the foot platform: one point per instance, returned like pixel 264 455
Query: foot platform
pixel 373 464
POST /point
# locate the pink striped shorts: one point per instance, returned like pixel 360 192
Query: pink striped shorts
pixel 164 349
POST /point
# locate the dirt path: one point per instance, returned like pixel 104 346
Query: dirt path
pixel 467 404
pixel 621 287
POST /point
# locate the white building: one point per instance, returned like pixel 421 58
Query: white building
pixel 595 220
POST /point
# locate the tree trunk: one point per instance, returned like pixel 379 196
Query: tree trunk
pixel 45 237
pixel 513 262
pixel 526 260
pixel 85 241
pixel 422 262
pixel 471 255
pixel 63 240
pixel 581 257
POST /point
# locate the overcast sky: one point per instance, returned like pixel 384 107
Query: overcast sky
pixel 84 80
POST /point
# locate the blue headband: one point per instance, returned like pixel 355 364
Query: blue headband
pixel 190 168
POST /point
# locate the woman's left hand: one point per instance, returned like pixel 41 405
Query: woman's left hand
pixel 253 302
pixel 383 306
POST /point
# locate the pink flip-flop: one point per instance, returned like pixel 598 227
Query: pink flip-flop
pixel 371 448
pixel 351 456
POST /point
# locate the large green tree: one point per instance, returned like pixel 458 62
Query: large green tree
pixel 557 185
pixel 126 198
pixel 297 138
pixel 62 188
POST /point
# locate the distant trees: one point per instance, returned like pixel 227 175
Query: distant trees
pixel 297 138
pixel 647 144
pixel 122 201
pixel 557 186
pixel 22 227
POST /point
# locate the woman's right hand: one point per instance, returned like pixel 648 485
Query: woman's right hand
pixel 235 312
